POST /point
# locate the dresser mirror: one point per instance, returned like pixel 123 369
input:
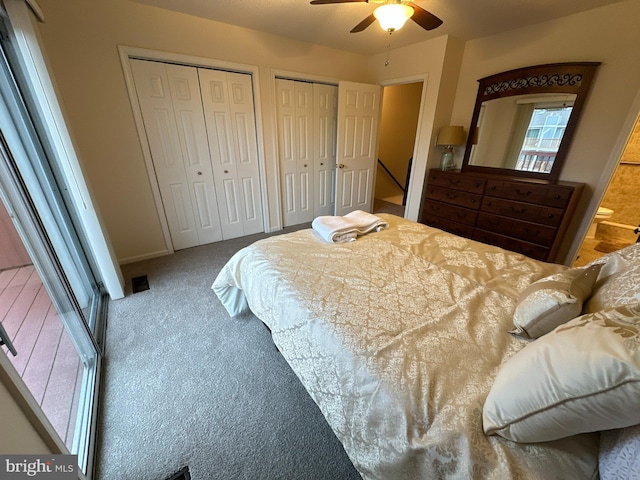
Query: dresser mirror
pixel 524 119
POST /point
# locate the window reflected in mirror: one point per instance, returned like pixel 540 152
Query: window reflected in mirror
pixel 522 132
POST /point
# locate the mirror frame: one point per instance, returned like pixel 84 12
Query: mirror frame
pixel 561 78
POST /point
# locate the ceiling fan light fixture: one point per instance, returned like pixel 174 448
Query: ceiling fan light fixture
pixel 393 16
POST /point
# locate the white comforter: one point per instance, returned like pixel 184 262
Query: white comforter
pixel 397 336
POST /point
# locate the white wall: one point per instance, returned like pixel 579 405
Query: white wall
pixel 609 35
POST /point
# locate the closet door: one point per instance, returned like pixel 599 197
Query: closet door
pixel 171 106
pixel 230 123
pixel 357 138
pixel 295 148
pixel 325 105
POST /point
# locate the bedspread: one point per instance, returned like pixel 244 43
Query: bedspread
pixel 397 337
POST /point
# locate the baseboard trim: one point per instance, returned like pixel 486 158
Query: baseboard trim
pixel 140 258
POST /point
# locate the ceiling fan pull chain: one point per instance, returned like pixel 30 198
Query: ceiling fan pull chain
pixel 386 62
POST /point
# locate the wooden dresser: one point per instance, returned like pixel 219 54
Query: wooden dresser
pixel 523 215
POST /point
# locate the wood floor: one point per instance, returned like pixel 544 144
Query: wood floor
pixel 47 361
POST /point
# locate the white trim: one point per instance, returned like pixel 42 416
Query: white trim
pixel 126 53
pixel 35 8
pixel 45 96
pixel 147 256
pixel 305 77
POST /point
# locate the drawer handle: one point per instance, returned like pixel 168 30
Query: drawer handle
pixel 451 196
pixel 523 193
pixel 518 210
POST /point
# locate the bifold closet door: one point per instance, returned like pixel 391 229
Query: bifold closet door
pixel 230 123
pixel 306 149
pixel 295 149
pixel 357 139
pixel 325 107
pixel 171 106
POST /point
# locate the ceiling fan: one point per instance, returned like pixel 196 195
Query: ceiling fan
pixel 391 14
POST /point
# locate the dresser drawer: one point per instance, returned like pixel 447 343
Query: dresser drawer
pixel 449 226
pixel 457 181
pixel 528 216
pixel 550 195
pixel 449 212
pixel 523 211
pixel 530 232
pixel 529 249
pixel 454 197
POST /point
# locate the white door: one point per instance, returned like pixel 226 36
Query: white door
pixel 295 107
pixel 357 139
pixel 171 107
pixel 230 123
pixel 325 106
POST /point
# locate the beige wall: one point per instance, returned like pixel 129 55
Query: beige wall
pixel 609 35
pixel 623 193
pixel 81 38
pixel 436 63
pixel 19 436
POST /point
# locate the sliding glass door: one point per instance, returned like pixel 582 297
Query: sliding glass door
pixel 51 308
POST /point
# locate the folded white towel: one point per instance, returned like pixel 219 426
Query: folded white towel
pixel 336 229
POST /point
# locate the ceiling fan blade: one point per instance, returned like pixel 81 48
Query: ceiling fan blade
pixel 425 19
pixel 364 24
pixel 327 2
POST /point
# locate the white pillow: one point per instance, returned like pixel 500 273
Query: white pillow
pixel 618 281
pixel 553 300
pixel 582 377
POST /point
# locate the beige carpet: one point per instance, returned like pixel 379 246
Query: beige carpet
pixel 185 385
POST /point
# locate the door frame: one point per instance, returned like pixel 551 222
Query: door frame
pixel 126 53
pixel 421 147
pixel 608 171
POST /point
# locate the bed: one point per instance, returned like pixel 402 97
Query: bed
pixel 402 338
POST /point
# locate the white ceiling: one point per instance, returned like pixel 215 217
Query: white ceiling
pixel 329 25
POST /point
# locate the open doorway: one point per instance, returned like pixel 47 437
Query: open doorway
pixel 398 127
pixel 618 218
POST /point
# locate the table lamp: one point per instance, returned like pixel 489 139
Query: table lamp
pixel 449 136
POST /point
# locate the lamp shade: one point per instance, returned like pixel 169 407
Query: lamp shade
pixel 392 16
pixel 451 135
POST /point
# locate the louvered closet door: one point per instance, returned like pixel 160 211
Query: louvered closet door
pixel 325 105
pixel 295 148
pixel 171 106
pixel 230 121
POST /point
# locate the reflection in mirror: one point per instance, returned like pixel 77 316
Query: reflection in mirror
pixel 523 119
pixel 522 132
